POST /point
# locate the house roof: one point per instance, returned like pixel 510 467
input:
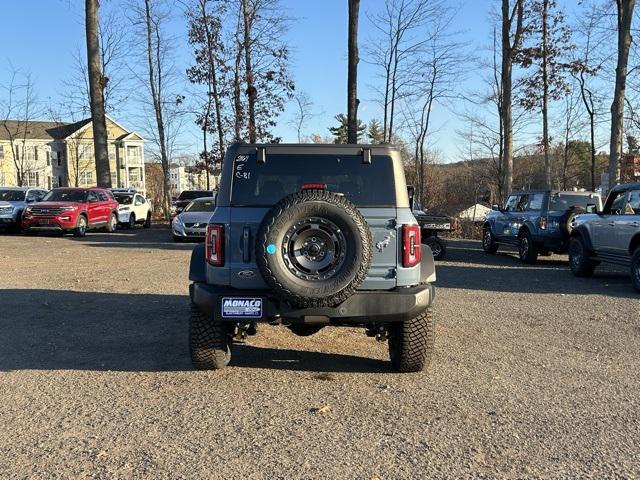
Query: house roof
pixel 39 130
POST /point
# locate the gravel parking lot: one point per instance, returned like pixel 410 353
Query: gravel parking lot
pixel 535 376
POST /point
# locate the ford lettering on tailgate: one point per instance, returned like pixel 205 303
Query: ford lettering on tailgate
pixel 237 307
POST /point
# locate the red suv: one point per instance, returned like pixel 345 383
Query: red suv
pixel 73 210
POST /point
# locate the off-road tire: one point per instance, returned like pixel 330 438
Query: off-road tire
pixel 579 262
pixel 411 343
pixel 438 247
pixel 304 329
pixel 132 221
pixel 147 222
pixel 80 230
pixel 209 341
pixel 112 223
pixel 527 250
pixel 489 244
pixel 635 269
pixel 271 238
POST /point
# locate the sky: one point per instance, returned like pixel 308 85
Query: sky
pixel 41 36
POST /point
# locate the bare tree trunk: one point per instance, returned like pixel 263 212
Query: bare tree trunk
pixel 625 14
pixel 252 93
pixel 352 75
pixel 237 101
pixel 213 87
pixel 97 84
pixel 155 84
pixel 545 95
pixel 509 49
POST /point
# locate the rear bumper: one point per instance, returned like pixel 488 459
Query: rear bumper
pixel 363 307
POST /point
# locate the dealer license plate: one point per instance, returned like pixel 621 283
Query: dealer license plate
pixel 241 307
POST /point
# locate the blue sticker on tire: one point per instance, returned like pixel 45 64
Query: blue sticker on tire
pixel 241 307
pixel 271 249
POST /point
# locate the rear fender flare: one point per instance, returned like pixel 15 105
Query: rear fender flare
pixel 583 233
pixel 198 265
pixel 427 265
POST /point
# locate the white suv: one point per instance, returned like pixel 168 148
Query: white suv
pixel 133 208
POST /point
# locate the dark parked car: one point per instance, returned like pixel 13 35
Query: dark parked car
pixel 186 197
pixel 536 221
pixel 611 236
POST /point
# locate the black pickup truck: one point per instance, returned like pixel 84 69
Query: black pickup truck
pixel 430 225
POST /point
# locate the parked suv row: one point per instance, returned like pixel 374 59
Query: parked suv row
pixel 72 210
pixel 537 222
pixel 610 236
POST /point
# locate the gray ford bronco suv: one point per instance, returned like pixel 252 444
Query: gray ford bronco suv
pixel 309 236
pixel 610 236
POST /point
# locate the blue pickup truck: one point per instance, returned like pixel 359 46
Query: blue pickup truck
pixel 537 222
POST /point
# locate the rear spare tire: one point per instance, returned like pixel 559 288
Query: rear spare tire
pixel 314 248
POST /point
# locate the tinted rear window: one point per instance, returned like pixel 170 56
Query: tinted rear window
pixel 564 201
pixel 193 194
pixel 264 184
pixel 201 206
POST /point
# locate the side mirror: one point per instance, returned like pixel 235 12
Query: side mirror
pixel 495 207
pixel 30 200
pixel 592 208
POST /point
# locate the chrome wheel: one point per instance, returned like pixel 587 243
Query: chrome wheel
pixel 314 249
pixel 82 226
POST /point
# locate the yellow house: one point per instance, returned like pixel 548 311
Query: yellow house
pixel 52 154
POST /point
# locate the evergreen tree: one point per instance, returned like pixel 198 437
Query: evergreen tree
pixel 375 132
pixel 340 132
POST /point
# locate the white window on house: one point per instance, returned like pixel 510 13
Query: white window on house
pixel 30 155
pixel 1 154
pixel 85 151
pixel 112 154
pixel 133 154
pixel 114 180
pixel 86 178
pixel 32 179
pixel 55 182
pixel 48 158
pixel 134 175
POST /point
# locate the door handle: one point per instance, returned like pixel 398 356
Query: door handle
pixel 246 240
pixel 635 224
pixel 612 224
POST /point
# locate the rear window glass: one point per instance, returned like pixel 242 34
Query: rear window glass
pixel 564 201
pixel 201 206
pixel 264 184
pixel 193 194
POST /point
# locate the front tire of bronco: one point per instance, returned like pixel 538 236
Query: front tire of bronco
pixel 489 244
pixel 527 250
pixel 411 343
pixel 579 262
pixel 209 341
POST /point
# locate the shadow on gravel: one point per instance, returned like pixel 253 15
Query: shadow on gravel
pixel 61 330
pixel 250 356
pixel 482 272
pixel 156 237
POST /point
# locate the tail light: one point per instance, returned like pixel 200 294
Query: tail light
pixel 214 245
pixel 542 223
pixel 411 249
